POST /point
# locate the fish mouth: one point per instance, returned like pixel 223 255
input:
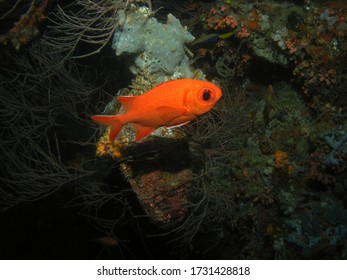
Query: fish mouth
pixel 219 94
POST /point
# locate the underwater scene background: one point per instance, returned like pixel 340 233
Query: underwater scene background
pixel 262 175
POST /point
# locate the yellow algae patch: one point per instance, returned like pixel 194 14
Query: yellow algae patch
pixel 106 147
pixel 281 158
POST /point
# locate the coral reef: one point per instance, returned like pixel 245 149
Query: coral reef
pixel 320 228
pixel 34 165
pixel 83 28
pixel 27 27
pixel 307 39
pixel 262 176
pixel 158 48
pixel 329 157
pixel 162 194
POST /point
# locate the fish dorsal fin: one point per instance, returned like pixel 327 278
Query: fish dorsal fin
pixel 142 131
pixel 127 101
pixel 168 113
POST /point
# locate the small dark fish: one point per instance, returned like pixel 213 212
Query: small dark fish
pixel 213 37
pixel 106 241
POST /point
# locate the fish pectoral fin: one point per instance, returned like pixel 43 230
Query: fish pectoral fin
pixel 178 125
pixel 142 131
pixel 168 113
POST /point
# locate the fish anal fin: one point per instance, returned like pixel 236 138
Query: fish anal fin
pixel 142 131
pixel 114 131
pixel 170 113
pixel 127 101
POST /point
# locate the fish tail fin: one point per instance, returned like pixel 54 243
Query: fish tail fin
pixel 115 122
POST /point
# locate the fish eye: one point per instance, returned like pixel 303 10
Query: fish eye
pixel 206 95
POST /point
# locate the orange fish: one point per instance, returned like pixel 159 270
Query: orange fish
pixel 172 103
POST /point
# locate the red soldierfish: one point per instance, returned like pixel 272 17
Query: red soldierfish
pixel 172 103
